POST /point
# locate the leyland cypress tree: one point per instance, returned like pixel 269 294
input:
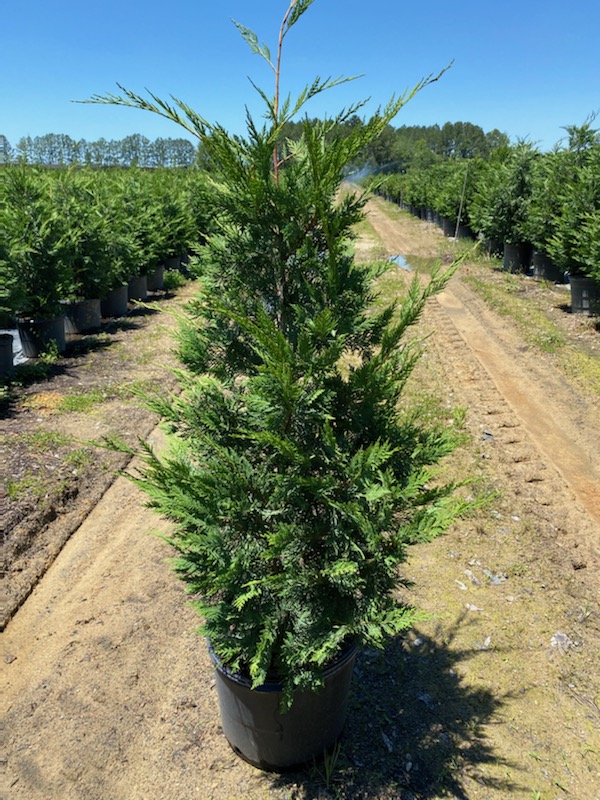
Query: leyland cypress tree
pixel 294 480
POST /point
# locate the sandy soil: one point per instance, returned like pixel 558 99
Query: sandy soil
pixel 110 694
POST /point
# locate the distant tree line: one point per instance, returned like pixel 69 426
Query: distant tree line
pixel 396 150
pixel 399 149
pixel 59 149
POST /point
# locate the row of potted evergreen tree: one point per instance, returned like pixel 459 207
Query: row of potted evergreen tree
pixel 78 244
pixel 535 208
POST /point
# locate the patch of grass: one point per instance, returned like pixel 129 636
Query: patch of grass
pixel 28 484
pixel 391 286
pixel 137 389
pixel 79 458
pixel 44 440
pixel 329 764
pixel 393 211
pixel 505 294
pixel 582 368
pixel 365 229
pixel 518 570
pixel 81 402
pixel 506 297
pixel 38 369
pixel 145 356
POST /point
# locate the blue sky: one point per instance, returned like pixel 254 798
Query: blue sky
pixel 526 68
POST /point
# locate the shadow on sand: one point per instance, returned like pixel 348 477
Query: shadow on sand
pixel 414 728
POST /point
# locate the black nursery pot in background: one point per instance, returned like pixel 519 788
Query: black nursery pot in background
pixel 517 257
pixel 6 353
pixel 545 269
pixel 38 334
pixel 585 296
pixel 82 316
pixel 138 288
pixel 155 280
pixel 115 302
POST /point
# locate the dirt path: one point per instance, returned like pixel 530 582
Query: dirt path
pixel 553 438
pixel 568 441
pixel 110 693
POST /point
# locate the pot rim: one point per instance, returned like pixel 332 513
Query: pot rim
pixel 25 317
pixel 345 654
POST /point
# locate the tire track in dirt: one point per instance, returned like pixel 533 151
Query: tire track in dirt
pixel 546 438
pixel 553 479
pixel 515 391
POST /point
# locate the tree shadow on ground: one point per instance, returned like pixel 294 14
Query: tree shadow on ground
pixel 415 728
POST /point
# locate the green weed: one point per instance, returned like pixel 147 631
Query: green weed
pixel 78 458
pixel 44 440
pixel 134 389
pixel 173 279
pixel 37 369
pixel 330 759
pixel 28 484
pixel 81 402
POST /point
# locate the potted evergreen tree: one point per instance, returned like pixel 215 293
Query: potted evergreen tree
pixel 542 215
pixel 38 258
pixel 510 205
pixel 501 207
pixel 574 243
pixel 176 222
pixel 295 480
pixel 78 196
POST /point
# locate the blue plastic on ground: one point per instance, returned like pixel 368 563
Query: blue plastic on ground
pixel 399 261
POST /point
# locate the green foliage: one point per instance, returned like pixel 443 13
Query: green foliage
pixel 505 194
pixel 544 208
pixel 173 279
pixel 76 234
pixel 573 243
pixel 295 486
pixel 35 246
pixel 518 195
pixel 295 480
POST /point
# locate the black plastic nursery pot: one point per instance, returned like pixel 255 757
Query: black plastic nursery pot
pixel 517 257
pixel 115 302
pixel 493 247
pixel 585 296
pixel 173 262
pixel 544 269
pixel 137 288
pixel 261 734
pixel 464 232
pixel 82 316
pixel 448 226
pixel 155 280
pixel 6 353
pixel 37 334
